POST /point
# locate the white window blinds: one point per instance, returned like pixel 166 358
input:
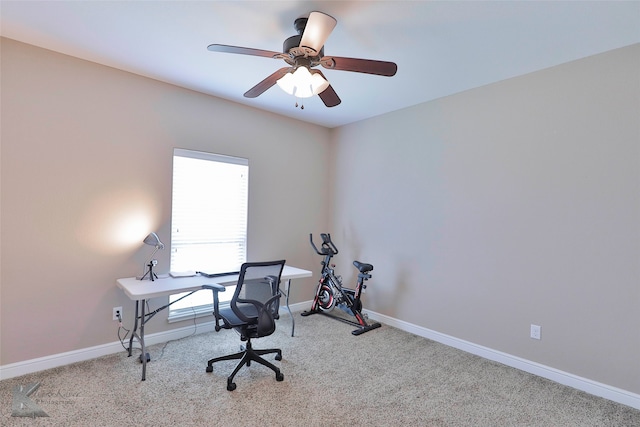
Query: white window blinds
pixel 209 212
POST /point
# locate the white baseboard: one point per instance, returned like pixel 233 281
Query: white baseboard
pixel 592 387
pixel 300 306
pixel 47 362
pixel 584 384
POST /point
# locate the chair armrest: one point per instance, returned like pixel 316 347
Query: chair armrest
pixel 216 288
pixel 274 282
pixel 273 305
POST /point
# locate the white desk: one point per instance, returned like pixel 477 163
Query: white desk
pixel 142 290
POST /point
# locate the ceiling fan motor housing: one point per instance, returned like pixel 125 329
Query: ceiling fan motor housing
pixel 290 43
pixel 294 41
pixel 291 46
pixel 300 24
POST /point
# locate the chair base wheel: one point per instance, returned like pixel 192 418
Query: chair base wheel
pixel 209 368
pixel 278 357
pixel 279 376
pixel 231 386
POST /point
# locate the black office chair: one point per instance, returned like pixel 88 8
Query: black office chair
pixel 252 312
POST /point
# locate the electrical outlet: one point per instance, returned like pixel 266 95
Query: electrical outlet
pixel 117 311
pixel 535 332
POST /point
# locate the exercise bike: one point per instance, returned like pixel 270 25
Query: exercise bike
pixel 330 292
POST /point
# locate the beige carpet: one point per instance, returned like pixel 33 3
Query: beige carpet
pixel 385 377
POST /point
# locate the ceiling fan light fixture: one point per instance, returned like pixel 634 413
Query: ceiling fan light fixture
pixel 302 84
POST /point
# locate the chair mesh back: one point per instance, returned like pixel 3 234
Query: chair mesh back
pixel 261 281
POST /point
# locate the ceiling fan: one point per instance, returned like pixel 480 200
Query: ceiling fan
pixel 303 52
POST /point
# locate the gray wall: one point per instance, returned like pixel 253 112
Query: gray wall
pixel 503 206
pixel 86 174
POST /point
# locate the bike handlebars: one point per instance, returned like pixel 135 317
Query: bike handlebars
pixel 327 247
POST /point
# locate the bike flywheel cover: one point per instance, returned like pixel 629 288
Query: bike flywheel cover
pixel 326 301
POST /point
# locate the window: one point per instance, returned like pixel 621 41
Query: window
pixel 208 220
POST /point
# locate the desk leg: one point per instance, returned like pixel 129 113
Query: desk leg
pixel 143 355
pixel 135 329
pixel 140 304
pixel 293 322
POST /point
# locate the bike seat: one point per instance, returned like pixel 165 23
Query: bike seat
pixel 363 267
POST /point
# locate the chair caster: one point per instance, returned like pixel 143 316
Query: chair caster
pixel 278 356
pixel 279 376
pixel 209 368
pixel 148 357
pixel 231 386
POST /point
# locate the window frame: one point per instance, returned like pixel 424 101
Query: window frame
pixel 203 303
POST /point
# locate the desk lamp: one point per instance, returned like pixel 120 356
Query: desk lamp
pixel 153 240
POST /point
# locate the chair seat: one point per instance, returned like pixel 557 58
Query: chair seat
pixel 231 320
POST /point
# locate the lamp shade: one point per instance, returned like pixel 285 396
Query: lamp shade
pixel 153 240
pixel 302 84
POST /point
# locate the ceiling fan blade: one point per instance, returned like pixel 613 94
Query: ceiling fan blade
pixel 319 26
pixel 265 84
pixel 367 66
pixel 242 50
pixel 328 96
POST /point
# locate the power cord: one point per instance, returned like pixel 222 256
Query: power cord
pixel 122 328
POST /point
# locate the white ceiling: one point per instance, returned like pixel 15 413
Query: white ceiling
pixel 441 47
